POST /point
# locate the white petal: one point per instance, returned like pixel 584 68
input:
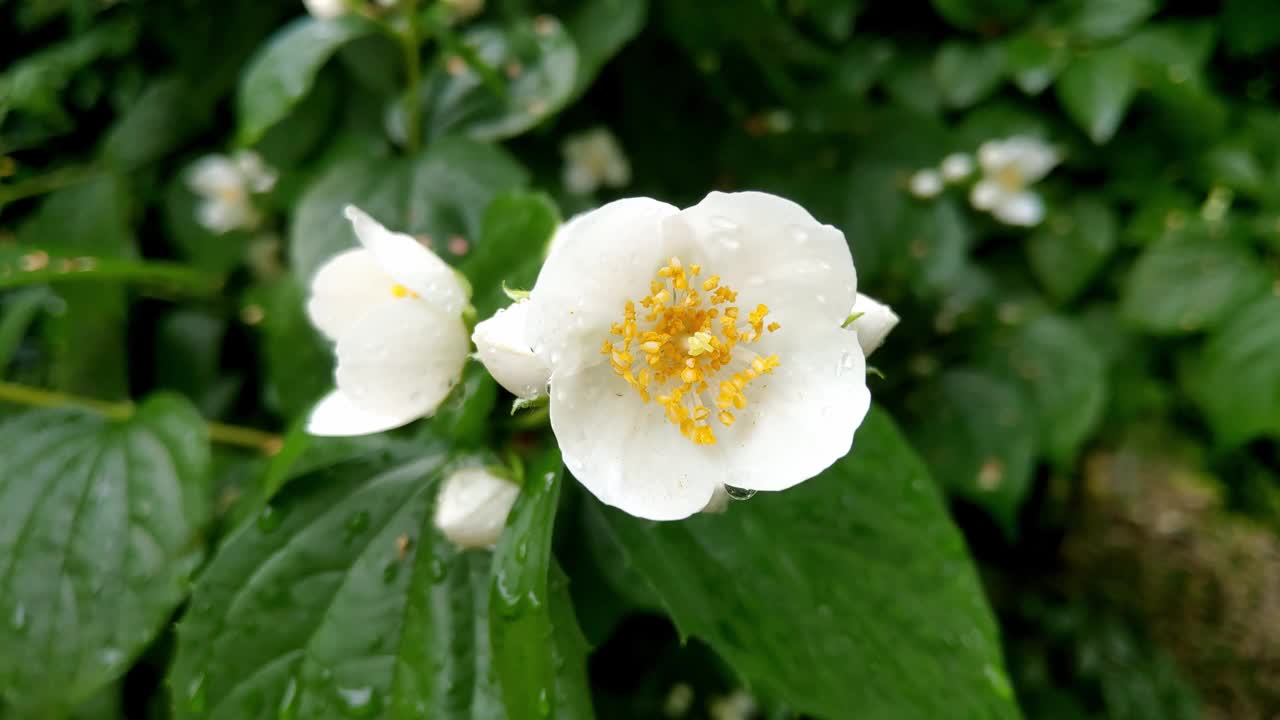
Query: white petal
pixel 993 156
pixel 925 183
pixel 1033 157
pixel 402 358
pixel 771 251
pixel 473 505
pixel 346 287
pixel 215 176
pixel 255 173
pixel 601 260
pixel 802 417
pixel 985 194
pixel 337 416
pixel 562 232
pixel 874 324
pixel 325 8
pixel 224 215
pixel 579 180
pixel 956 167
pixel 502 346
pixel 1024 209
pixel 410 263
pixel 625 452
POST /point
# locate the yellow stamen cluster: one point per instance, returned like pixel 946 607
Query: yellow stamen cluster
pixel 673 345
pixel 401 291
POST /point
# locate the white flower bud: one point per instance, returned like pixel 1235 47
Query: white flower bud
pixel 472 507
pixel 957 167
pixel 593 159
pixel 873 322
pixel 324 9
pixel 925 184
pixel 503 348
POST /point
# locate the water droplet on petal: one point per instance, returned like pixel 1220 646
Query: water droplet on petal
pixel 799 235
pixel 737 493
pixel 723 223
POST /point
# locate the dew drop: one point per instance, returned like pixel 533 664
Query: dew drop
pixel 289 701
pixel 19 618
pixel 522 550
pixel 729 241
pixel 360 702
pixel 196 699
pixel 437 569
pixel 268 519
pixel 356 524
pixel 723 223
pixel 737 493
pixel 544 703
pixel 822 299
pixel 110 657
pixel 390 572
pixel 799 235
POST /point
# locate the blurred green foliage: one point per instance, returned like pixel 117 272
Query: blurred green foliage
pixel 1143 311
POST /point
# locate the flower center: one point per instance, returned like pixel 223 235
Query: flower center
pixel 673 349
pixel 1010 179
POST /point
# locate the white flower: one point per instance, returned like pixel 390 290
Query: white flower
pixel 737 705
pixel 592 159
pixel 1008 168
pixel 956 167
pixel 395 312
pixel 326 8
pixel 503 347
pixel 679 700
pixel 473 505
pixel 225 186
pixel 873 322
pixel 925 183
pixel 463 9
pixel 698 348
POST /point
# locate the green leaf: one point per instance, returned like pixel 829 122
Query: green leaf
pixel 440 193
pixel 1189 281
pixel 1068 251
pixel 341 600
pixel 1067 378
pixel 520 616
pixel 1096 90
pixel 1236 379
pixel 297 361
pixel 18 310
pixel 967 73
pixel 857 573
pixel 168 113
pixel 978 433
pixel 982 15
pixel 537 58
pixel 464 416
pixel 1035 59
pixel 99 531
pixel 600 28
pixel 1250 27
pixel 513 239
pixel 1107 19
pixel 283 71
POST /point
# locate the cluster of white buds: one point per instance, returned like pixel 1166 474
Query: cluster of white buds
pixel 1009 167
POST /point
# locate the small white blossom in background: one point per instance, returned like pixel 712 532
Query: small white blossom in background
pixel 593 159
pixel 325 9
pixel 226 186
pixel 502 346
pixel 737 705
pixel 1009 167
pixel 956 167
pixel 925 184
pixel 695 348
pixel 463 9
pixel 473 505
pixel 873 320
pixel 394 310
pixel 679 701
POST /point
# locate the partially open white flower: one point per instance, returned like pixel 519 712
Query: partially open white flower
pixel 326 8
pixel 872 322
pixel 502 346
pixel 698 348
pixel 1009 167
pixel 226 186
pixel 592 159
pixel 473 505
pixel 956 167
pixel 395 311
pixel 925 184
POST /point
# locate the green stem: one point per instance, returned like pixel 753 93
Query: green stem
pixel 264 442
pixel 411 40
pixel 42 184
